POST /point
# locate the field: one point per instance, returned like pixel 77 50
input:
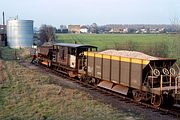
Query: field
pixel 108 40
pixel 160 45
pixel 29 94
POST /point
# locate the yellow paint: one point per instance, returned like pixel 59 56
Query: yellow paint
pixel 138 61
pixel 86 53
pixel 98 55
pixel 123 59
pixel 107 56
pixel 115 58
pixel 91 54
pixel 118 58
pixel 146 62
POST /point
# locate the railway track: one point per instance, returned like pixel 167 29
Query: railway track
pixel 174 111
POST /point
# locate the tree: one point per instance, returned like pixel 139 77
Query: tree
pixel 175 23
pixel 46 33
pixel 94 28
pixel 159 49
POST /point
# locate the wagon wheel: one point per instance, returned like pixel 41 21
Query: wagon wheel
pixel 157 100
pixel 137 95
pixel 92 81
pixel 156 72
pixel 172 71
pixel 165 71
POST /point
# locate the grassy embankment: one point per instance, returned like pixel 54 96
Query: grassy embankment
pixel 29 94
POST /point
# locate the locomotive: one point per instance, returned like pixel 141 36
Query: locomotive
pixel 150 80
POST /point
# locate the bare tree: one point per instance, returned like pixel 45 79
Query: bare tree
pixel 94 28
pixel 159 49
pixel 176 24
pixel 176 43
pixel 46 33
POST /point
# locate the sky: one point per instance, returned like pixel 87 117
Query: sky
pixel 83 12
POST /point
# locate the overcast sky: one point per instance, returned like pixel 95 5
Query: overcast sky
pixel 57 12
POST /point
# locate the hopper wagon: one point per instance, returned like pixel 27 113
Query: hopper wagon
pixel 150 79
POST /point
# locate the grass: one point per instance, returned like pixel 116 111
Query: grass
pixel 11 54
pixel 103 41
pixel 30 94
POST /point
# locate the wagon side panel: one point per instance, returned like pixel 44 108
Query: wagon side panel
pixel 115 74
pixel 90 65
pixel 98 67
pixel 125 72
pixel 106 69
pixel 136 74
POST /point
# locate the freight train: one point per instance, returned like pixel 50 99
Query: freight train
pixel 153 80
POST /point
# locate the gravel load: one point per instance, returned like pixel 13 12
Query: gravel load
pixel 129 54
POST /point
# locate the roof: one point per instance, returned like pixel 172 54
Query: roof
pixel 74 45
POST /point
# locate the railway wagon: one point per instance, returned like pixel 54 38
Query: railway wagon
pixel 152 79
pixel 66 58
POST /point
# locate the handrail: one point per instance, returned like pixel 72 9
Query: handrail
pixel 161 82
pixel 176 84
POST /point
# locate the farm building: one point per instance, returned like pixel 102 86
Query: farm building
pixel 74 28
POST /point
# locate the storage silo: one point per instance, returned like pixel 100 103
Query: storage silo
pixel 20 33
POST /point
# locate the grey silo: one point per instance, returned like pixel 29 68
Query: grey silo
pixel 20 33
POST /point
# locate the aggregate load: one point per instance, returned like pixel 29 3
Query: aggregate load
pixel 129 54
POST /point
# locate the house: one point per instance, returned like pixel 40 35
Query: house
pixel 126 30
pixel 119 30
pixel 84 29
pixel 116 30
pixel 143 30
pixel 74 28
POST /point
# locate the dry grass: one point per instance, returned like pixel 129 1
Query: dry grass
pixel 14 54
pixel 3 76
